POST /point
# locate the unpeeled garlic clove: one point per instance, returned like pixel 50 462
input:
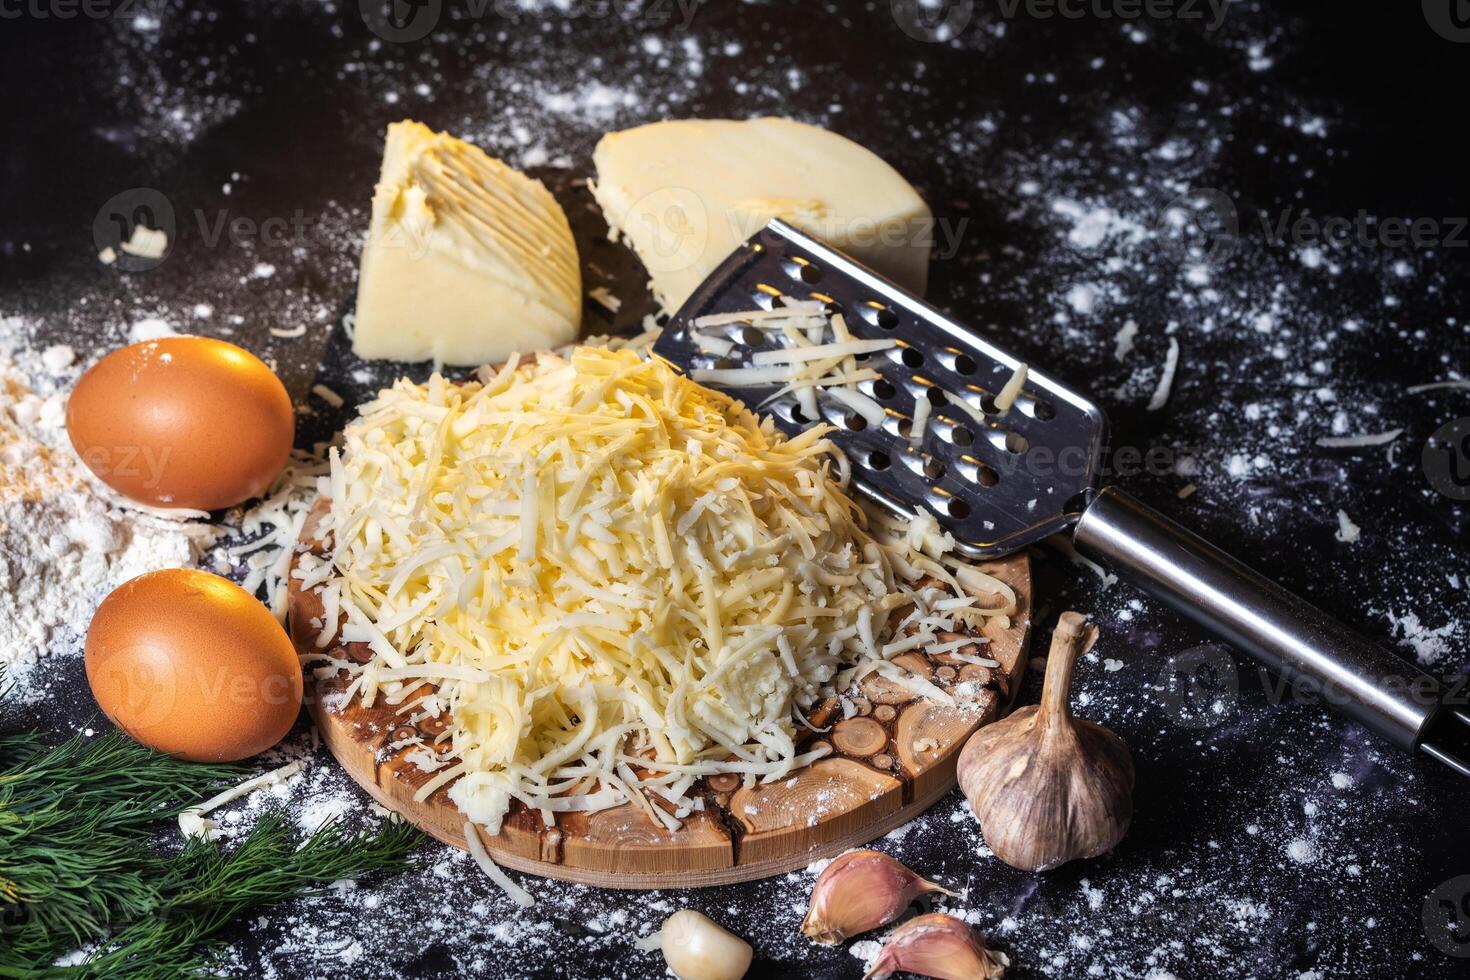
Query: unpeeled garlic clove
pixel 939 946
pixel 858 891
pixel 1046 787
pixel 697 948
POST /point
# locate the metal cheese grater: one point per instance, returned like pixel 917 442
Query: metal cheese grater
pixel 1002 480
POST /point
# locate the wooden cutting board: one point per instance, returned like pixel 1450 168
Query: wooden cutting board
pixel 892 760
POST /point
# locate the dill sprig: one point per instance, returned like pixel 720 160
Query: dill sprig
pixel 80 869
pixel 208 888
pixel 111 772
pixel 72 822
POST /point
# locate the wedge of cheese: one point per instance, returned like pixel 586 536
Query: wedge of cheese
pixel 685 193
pixel 467 259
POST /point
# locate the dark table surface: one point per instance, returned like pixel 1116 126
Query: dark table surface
pixel 1059 153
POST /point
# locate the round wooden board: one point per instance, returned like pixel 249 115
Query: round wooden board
pixel 890 762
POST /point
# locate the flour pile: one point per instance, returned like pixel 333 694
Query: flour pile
pixel 63 544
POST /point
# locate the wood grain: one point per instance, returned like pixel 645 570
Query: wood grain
pixel 891 760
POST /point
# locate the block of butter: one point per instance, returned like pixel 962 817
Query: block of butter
pixel 467 259
pixel 685 193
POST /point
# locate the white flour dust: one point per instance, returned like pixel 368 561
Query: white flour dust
pixel 1305 857
pixel 66 540
pixel 63 543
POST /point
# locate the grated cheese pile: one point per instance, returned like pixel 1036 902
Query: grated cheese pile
pixel 601 565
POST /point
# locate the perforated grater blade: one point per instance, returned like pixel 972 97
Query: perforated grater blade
pixel 1000 480
pixel 997 481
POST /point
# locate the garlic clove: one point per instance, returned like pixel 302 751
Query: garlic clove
pixel 1046 787
pixel 938 946
pixel 858 891
pixel 697 948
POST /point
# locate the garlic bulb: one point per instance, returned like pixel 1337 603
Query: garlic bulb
pixel 697 948
pixel 1048 788
pixel 939 946
pixel 858 891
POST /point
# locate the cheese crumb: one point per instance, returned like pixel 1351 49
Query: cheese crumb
pixel 146 243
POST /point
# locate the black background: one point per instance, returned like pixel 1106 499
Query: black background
pixel 307 135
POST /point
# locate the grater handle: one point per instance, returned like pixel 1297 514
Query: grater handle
pixel 1300 642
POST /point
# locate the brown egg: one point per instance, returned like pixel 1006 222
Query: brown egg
pixel 191 664
pixel 182 422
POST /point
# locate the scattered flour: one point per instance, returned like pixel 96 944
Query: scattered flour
pixel 63 543
pixel 1222 889
pixel 66 540
pixel 1429 645
pixel 150 328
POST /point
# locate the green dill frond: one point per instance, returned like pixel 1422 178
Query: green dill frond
pixel 79 869
pixel 210 887
pixel 136 784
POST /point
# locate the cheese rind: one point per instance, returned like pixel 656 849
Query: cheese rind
pixel 467 260
pixel 685 193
